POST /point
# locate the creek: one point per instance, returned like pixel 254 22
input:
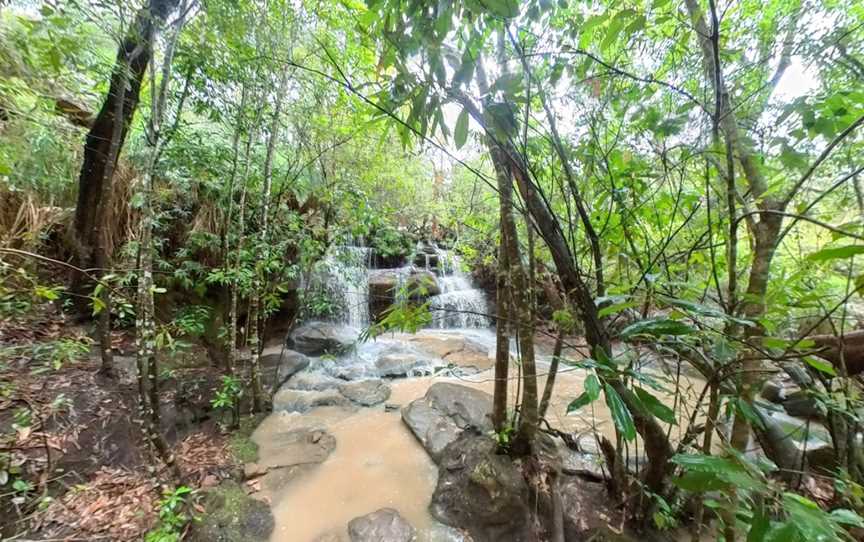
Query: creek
pixel 377 462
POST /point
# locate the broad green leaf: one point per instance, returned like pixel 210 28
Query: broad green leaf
pixel 617 307
pixel 591 393
pixel 620 415
pixel 759 525
pixel 820 365
pixel 724 468
pixel 810 521
pixel 836 253
pixel 460 135
pixel 655 407
pixel 847 517
pixel 700 482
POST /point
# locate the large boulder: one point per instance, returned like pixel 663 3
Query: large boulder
pixel 383 285
pixel 384 525
pixel 793 443
pixel 366 392
pixel 319 338
pixel 232 516
pixel 453 349
pixel 444 412
pixel 289 400
pixel 311 381
pixel 287 364
pixel 803 404
pixel 481 492
pixel 398 365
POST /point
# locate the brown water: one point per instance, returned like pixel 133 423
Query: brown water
pixel 378 463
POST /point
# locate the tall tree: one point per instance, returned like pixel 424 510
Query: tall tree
pixel 92 233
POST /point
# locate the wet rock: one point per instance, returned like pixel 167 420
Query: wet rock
pixel 583 464
pixel 319 338
pixel 588 512
pixel 426 260
pixel 382 291
pixel 444 412
pixel 802 404
pixel 311 381
pixel 303 446
pixel 422 284
pixel 453 349
pixel 792 442
pixel 481 492
pixel 366 392
pixel 774 391
pixel 287 363
pixel 384 525
pixel 400 365
pixel 290 400
pixel 232 516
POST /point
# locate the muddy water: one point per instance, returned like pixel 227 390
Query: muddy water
pixel 378 463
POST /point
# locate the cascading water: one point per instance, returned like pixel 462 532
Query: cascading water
pixel 344 275
pixel 460 304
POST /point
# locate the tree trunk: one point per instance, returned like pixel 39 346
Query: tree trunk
pixel 502 340
pixel 519 294
pixel 145 328
pixel 109 130
pixel 553 372
pixel 256 320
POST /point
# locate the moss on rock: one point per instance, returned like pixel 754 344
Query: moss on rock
pixel 232 516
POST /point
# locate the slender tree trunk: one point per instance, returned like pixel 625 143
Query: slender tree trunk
pixel 519 294
pixel 502 338
pixel 147 361
pixel 553 372
pixel 256 319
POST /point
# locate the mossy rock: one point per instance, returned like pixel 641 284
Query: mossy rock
pixel 241 445
pixel 232 516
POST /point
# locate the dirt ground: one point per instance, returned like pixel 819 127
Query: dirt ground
pixel 74 461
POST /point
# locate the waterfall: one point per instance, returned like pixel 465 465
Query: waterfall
pixel 460 304
pixel 344 275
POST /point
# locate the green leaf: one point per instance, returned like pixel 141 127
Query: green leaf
pixel 724 468
pixel 656 327
pixel 591 393
pixel 617 307
pixel 615 27
pixel 503 8
pixel 460 135
pixel 811 522
pixel 655 407
pixel 820 365
pixel 759 526
pixel 620 415
pixel 847 517
pixel 836 253
pixel 700 482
